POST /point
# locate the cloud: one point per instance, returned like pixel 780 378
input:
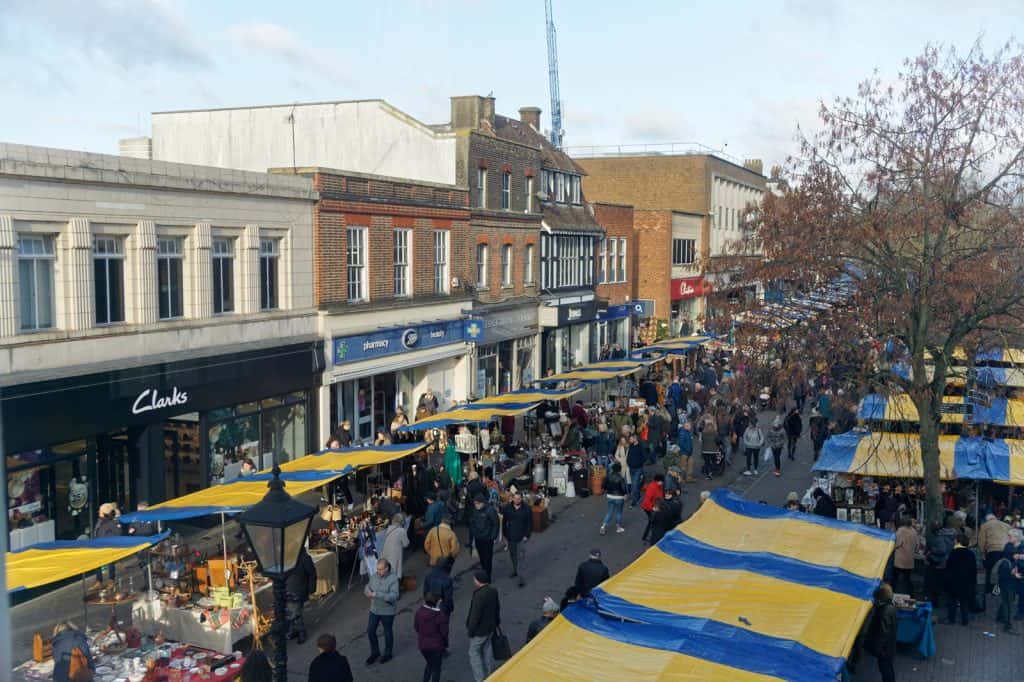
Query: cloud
pixel 132 35
pixel 655 125
pixel 814 12
pixel 281 43
pixel 771 134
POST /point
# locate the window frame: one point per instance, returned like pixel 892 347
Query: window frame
pixel 356 263
pixel 170 251
pixel 506 190
pixel 442 262
pixel 109 257
pixel 270 259
pixel 622 260
pixel 219 260
pixel 46 253
pixel 482 254
pixel 528 257
pixel 402 244
pixel 681 248
pixel 506 265
pixel 481 186
pixel 529 194
pixel 602 261
pixel 560 188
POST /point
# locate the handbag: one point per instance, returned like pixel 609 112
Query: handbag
pixel 501 646
pixel 78 668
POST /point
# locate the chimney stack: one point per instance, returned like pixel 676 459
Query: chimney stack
pixel 530 116
pixel 756 165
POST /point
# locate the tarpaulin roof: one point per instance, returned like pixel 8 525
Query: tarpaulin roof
pixel 740 591
pixel 900 407
pixel 488 409
pixel 898 455
pixel 675 345
pixel 344 460
pixel 983 375
pixel 49 562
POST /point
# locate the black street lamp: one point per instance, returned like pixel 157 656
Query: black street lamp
pixel 276 529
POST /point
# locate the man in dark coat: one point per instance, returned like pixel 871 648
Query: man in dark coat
pixel 961 579
pixel 483 531
pixel 439 582
pixel 823 504
pixel 518 524
pixel 300 584
pixel 880 640
pixel 329 665
pixel 591 573
pixel 483 619
pixel 649 392
pixel 794 426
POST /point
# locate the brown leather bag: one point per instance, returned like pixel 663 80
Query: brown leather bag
pixel 79 670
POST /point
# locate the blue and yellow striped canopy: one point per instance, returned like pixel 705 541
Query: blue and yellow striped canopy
pixel 898 407
pixel 50 562
pixel 490 408
pixel 740 591
pixel 898 455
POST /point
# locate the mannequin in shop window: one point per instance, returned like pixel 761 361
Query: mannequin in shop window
pixel 427 405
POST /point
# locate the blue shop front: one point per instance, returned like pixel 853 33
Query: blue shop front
pixel 374 375
pixel 610 327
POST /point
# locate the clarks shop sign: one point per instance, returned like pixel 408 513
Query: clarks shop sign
pixel 150 399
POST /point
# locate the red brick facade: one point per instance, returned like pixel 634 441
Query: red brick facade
pixel 653 259
pixel 383 205
pixel 617 220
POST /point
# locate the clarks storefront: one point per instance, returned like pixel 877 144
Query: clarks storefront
pixel 150 433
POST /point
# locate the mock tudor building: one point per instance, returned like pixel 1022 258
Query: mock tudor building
pixel 157 327
pixel 689 207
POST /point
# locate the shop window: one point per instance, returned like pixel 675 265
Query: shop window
pixel 223 256
pixel 231 442
pixel 269 257
pixel 524 361
pixel 284 432
pixel 108 272
pixel 169 284
pixel 48 495
pixel 487 371
pixel 35 282
pixel 356 267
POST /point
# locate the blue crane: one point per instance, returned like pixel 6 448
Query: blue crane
pixel 556 97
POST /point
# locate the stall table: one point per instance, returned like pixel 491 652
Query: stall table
pixel 914 626
pixel 182 625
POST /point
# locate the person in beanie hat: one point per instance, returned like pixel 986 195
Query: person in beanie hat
pixel 591 573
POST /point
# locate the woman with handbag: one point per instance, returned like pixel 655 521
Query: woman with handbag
pixel 72 660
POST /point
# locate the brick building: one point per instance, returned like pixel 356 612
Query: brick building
pixel 689 208
pixel 617 274
pixel 392 263
pixel 504 231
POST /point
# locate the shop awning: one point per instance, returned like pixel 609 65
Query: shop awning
pixel 229 498
pixel 676 345
pixel 345 460
pixel 469 415
pixel 740 591
pixel 899 407
pixel 50 562
pixel 898 455
pixel 526 395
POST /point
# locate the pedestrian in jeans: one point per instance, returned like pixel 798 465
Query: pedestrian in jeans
pixel 776 439
pixel 517 520
pixel 635 462
pixel 615 495
pixel 753 441
pixel 483 531
pixel 382 590
pixel 1004 580
pixel 481 622
pixel 880 640
pixel 431 626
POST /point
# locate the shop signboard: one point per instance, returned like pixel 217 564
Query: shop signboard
pixel 615 312
pixel 507 324
pixel 688 287
pixel 404 339
pixel 576 313
pixel 643 308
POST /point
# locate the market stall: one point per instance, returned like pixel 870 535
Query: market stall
pixel 782 595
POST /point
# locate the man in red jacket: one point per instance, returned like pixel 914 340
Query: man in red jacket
pixel 655 491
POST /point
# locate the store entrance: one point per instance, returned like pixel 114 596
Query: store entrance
pixel 384 389
pixel 182 455
pixel 117 464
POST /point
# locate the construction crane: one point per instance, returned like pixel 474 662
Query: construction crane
pixel 556 97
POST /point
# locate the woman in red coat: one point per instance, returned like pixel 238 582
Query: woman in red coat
pixel 655 491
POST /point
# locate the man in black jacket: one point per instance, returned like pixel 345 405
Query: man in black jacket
pixel 794 425
pixel 329 665
pixel 591 573
pixel 483 619
pixel 300 584
pixel 518 524
pixel 483 531
pixel 439 582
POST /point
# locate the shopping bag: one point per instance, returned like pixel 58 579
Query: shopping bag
pixel 766 454
pixel 501 646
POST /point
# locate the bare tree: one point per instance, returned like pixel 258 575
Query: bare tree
pixel 917 185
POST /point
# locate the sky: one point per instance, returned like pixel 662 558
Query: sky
pixel 738 76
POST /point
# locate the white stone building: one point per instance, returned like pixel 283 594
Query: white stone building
pixel 157 328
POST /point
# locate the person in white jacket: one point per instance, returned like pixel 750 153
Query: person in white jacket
pixel 396 539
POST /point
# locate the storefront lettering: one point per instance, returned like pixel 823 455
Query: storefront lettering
pixel 156 402
pixel 574 313
pixel 376 345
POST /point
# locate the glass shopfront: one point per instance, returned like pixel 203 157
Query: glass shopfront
pixel 149 433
